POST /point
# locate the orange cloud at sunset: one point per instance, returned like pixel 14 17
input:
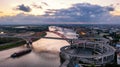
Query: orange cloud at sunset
pixel 116 13
pixel 7 6
pixel 55 11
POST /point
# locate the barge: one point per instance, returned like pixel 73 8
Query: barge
pixel 20 53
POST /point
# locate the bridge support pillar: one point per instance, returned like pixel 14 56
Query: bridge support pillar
pixel 71 42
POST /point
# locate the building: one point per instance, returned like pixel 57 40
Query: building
pixel 97 52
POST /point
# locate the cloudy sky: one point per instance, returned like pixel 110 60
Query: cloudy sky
pixel 59 11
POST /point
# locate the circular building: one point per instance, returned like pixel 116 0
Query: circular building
pixel 88 52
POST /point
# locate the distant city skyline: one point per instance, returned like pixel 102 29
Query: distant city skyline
pixel 59 12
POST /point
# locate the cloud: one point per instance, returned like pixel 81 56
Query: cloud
pixel 110 8
pixel 24 8
pixel 44 3
pixel 37 6
pixel 1 12
pixel 40 5
pixel 79 13
pixel 82 12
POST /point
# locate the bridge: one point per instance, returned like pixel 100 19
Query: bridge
pixel 71 41
pixel 105 53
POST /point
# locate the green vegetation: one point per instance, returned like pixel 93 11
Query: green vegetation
pixel 6 43
pixel 38 34
pixel 7 40
pixel 43 34
pixel 92 65
pixel 15 44
pixel 13 29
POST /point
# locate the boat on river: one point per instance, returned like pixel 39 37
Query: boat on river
pixel 20 53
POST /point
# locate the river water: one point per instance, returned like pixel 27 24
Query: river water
pixel 37 58
pixel 33 59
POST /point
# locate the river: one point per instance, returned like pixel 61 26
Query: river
pixel 40 56
pixel 33 59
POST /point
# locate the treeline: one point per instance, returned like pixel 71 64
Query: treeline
pixel 15 44
pixel 7 40
pixel 13 29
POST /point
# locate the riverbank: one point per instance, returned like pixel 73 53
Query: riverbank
pixel 18 42
pixel 12 45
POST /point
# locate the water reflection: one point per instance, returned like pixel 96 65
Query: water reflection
pixel 4 59
pixel 33 59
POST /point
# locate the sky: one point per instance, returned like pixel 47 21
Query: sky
pixel 59 11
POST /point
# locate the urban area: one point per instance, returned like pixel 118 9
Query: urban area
pixel 60 45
